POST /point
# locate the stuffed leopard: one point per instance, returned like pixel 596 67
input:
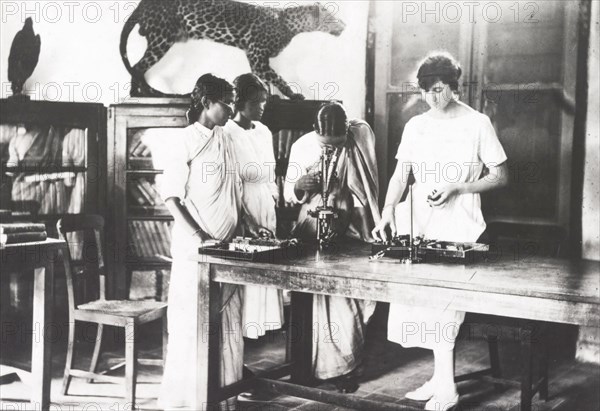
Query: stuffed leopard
pixel 262 32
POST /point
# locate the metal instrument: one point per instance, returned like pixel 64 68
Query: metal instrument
pixel 325 213
pixel 413 256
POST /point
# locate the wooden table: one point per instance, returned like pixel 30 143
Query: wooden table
pixel 39 257
pixel 507 284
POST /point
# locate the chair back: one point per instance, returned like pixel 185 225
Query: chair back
pixel 84 260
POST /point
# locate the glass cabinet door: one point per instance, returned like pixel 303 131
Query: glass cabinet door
pixel 44 169
pixel 143 136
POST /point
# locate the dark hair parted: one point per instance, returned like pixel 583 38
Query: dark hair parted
pixel 331 120
pixel 247 88
pixel 210 86
pixel 439 66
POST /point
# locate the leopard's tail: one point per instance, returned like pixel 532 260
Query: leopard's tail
pixel 136 76
pixel 127 29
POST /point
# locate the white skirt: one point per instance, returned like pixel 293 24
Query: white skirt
pixel 262 310
pixel 424 327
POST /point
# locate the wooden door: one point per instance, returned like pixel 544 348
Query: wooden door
pixel 526 65
pixel 402 41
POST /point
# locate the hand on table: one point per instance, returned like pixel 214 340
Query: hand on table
pixel 388 219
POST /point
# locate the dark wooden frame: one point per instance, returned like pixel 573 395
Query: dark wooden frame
pixel 579 131
pixel 88 116
pixel 40 257
pixel 139 112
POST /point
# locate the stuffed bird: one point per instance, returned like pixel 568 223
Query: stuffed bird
pixel 23 58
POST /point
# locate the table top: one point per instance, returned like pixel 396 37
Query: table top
pixel 506 273
pixel 48 242
pixel 30 254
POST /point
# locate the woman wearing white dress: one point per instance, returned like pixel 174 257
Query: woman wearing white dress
pixel 203 194
pixel 253 143
pixel 447 150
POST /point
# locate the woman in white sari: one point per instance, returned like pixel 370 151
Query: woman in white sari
pixel 339 331
pixel 253 143
pixel 203 194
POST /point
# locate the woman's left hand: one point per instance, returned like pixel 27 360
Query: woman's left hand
pixel 443 194
pixel 265 233
pixel 255 231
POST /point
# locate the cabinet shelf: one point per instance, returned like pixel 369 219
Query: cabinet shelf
pixel 152 262
pixel 149 217
pixel 143 172
pixel 36 169
pixel 140 164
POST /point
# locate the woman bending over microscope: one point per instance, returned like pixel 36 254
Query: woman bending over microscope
pixel 351 193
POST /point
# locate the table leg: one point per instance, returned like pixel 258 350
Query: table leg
pixel 526 378
pixel 41 365
pixel 207 338
pixel 301 338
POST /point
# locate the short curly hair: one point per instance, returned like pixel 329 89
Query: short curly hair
pixel 439 66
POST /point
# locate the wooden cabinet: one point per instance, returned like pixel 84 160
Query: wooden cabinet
pixel 139 223
pixel 52 159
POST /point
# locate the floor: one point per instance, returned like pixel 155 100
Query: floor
pixel 389 372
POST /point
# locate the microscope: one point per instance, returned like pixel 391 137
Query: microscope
pixel 326 214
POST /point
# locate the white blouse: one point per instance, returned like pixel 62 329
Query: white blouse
pixel 444 151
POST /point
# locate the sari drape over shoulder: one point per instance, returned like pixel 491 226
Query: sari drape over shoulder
pixel 201 172
pixel 263 306
pixel 339 323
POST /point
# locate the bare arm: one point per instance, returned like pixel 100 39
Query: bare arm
pixel 182 215
pixel 496 178
pixel 396 188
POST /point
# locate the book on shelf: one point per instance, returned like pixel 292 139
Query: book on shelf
pixel 12 228
pixel 145 238
pixel 26 237
pixel 151 191
pixel 39 177
pixel 137 238
pixel 152 240
pixel 159 237
pixel 138 147
pixel 145 189
pixel 136 194
pixel 134 146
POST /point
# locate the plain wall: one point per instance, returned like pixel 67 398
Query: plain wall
pixel 80 60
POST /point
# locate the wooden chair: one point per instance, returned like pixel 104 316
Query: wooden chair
pixel 120 313
pixel 523 241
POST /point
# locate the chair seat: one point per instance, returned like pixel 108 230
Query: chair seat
pixel 122 308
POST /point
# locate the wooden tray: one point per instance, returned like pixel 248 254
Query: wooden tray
pixel 431 251
pixel 255 250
